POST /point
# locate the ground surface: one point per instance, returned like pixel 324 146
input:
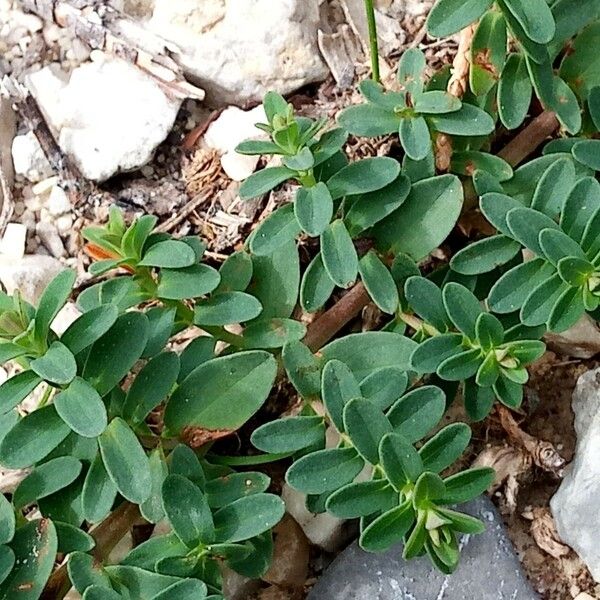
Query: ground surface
pixel 187 189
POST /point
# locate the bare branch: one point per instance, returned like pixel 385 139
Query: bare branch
pixel 329 323
pixel 71 179
pixel 535 134
pixel 457 86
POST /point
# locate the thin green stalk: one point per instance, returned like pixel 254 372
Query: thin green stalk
pixel 46 397
pixel 226 336
pixel 187 315
pixel 308 180
pixel 247 461
pixel 373 40
pixel 416 323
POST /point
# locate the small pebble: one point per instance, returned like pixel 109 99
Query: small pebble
pixel 45 186
pixel 58 202
pixel 34 204
pixel 28 219
pixel 64 224
pixel 19 208
pixel 13 241
pixel 48 235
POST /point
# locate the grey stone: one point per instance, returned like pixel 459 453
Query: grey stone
pixel 238 50
pixel 49 236
pixel 29 158
pixel 489 570
pixel 580 341
pixel 575 504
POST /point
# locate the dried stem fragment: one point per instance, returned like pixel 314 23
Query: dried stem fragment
pixel 543 531
pixel 543 453
pixel 510 464
pixel 107 535
pixel 457 86
pixel 71 179
pixel 329 323
pixel 535 134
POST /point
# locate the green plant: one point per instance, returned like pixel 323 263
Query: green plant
pixel 126 422
pixel 339 202
pixel 88 441
pixel 537 31
pixel 560 229
pixel 401 496
pixel 464 342
pixel 372 25
pixel 415 111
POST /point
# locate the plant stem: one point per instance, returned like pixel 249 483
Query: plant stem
pixel 226 336
pixel 308 180
pixel 416 323
pixel 107 535
pixel 245 461
pixel 373 40
pixel 543 453
pixel 330 322
pixel 46 397
pixel 457 87
pixel 520 147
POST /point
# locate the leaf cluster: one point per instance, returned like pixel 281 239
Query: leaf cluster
pixel 89 444
pixel 537 31
pixel 217 516
pixel 463 342
pixel 415 112
pixel 375 471
pixel 343 203
pixel 559 228
pixel 125 416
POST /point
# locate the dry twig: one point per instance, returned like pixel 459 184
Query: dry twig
pixel 107 535
pixel 71 179
pixel 188 209
pixel 543 453
pixel 461 67
pixel 329 323
pixel 457 86
pixel 7 200
pixel 357 298
pixel 536 133
pixel 543 531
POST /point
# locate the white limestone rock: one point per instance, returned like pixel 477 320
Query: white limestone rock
pixel 580 341
pixel 8 126
pixel 50 238
pixel 236 586
pixel 48 87
pixel 29 159
pixel 58 202
pixel 575 504
pixel 237 51
pixel 12 245
pixel 323 530
pixel 232 127
pixel 30 275
pixel 110 118
pixel 66 316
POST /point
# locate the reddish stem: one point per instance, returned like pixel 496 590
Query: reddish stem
pixel 520 147
pixel 330 322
